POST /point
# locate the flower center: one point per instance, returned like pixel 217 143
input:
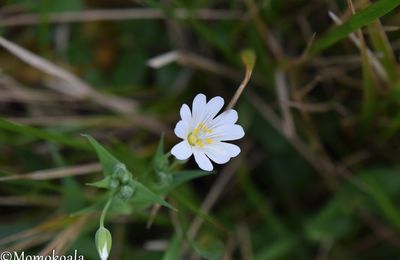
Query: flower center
pixel 198 137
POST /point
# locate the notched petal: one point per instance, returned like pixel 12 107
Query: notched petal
pixel 202 160
pixel 181 129
pixel 182 150
pixel 185 113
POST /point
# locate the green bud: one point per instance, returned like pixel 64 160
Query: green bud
pixel 122 173
pixel 161 163
pixel 103 242
pixel 120 167
pixel 126 192
pixel 164 178
pixel 125 178
pixel 113 183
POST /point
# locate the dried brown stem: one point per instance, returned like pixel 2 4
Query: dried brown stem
pixel 119 14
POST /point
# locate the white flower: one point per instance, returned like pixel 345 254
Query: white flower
pixel 103 242
pixel 104 253
pixel 204 134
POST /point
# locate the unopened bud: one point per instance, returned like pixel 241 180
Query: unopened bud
pixel 126 192
pixel 103 242
pixel 122 173
pixel 164 178
pixel 113 183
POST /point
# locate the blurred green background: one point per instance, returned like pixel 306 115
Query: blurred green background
pixel 318 176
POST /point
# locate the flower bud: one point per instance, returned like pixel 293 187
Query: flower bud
pixel 103 242
pixel 126 192
pixel 122 174
pixel 164 179
pixel 113 183
pixel 161 163
pixel 125 177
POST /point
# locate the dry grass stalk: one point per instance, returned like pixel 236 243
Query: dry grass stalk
pixel 29 201
pixel 68 83
pixel 374 61
pixel 56 173
pixel 62 241
pixel 282 91
pixel 119 14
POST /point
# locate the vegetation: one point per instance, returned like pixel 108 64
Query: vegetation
pixel 318 175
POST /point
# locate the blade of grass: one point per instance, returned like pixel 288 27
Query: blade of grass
pixel 369 80
pixel 362 18
pixel 381 44
pixel 371 56
pixel 42 134
pixel 68 83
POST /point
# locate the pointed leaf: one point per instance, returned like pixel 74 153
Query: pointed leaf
pixel 107 160
pixel 100 184
pixel 185 176
pixel 146 195
pixel 160 148
pixel 360 19
pixel 173 250
pixel 210 248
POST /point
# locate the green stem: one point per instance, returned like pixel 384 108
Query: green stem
pixel 104 212
pixel 175 163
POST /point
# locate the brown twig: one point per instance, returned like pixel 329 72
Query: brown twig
pixel 119 14
pixel 69 84
pixel 56 173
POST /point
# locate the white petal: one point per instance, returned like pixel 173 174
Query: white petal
pixel 202 161
pixel 227 133
pixel 182 150
pixel 226 118
pixel 231 149
pixel 216 153
pixel 198 108
pixel 104 252
pixel 186 115
pixel 213 107
pixel 182 129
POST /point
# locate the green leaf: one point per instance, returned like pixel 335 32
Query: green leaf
pixel 107 160
pixel 333 221
pixel 370 87
pixel 360 19
pixel 73 196
pixel 144 194
pixel 173 252
pixel 42 134
pixel 382 45
pixel 183 200
pixel 279 249
pixel 160 160
pixel 160 148
pixel 185 176
pixel 380 193
pixel 100 184
pixel 209 248
pixel 96 207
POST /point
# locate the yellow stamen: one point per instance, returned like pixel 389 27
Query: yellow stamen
pixel 200 143
pixel 193 137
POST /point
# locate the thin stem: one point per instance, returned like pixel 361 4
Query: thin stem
pixel 249 59
pixel 240 89
pixel 104 212
pixel 175 163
